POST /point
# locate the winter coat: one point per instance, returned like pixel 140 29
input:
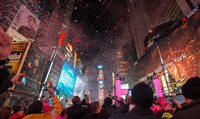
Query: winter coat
pixel 5 82
pixel 140 113
pixel 121 112
pixel 190 111
pixel 76 111
pixel 16 116
pixel 95 116
pixel 118 115
pixel 57 108
pixel 107 110
pixel 58 117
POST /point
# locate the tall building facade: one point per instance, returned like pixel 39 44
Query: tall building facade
pixel 145 15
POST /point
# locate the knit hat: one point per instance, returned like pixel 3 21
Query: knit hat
pixel 108 101
pixel 17 109
pixel 191 89
pixel 142 95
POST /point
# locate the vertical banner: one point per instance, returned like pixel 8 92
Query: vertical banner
pixel 158 87
pixel 24 26
pixel 19 51
pixel 118 88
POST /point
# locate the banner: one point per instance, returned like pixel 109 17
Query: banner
pixel 33 68
pixel 17 57
pixel 24 26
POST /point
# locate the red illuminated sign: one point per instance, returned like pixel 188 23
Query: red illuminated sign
pixel 62 35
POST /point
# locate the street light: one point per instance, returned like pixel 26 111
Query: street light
pixel 163 68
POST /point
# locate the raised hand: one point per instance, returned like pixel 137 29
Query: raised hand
pixel 5 44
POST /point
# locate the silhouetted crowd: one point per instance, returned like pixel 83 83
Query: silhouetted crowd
pixel 141 105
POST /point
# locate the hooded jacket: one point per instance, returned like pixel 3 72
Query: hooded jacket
pixel 57 108
pixel 5 82
pixel 190 111
pixel 141 113
pixel 16 116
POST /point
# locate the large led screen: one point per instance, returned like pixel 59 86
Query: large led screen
pixel 66 81
pixel 79 88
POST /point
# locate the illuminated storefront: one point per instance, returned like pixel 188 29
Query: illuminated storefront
pixel 180 53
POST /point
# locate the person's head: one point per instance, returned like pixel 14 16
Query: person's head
pixel 108 101
pixel 64 114
pixel 123 108
pixel 95 107
pixel 191 89
pixel 128 100
pixel 31 21
pixel 142 95
pixel 87 100
pixel 35 107
pixel 19 110
pixel 5 112
pixel 83 102
pixel 76 100
pixel 46 107
pixel 36 63
pixel 29 64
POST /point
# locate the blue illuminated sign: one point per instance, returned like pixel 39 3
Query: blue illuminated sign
pixel 100 67
pixel 66 81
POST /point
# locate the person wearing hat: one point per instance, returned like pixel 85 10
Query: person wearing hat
pixel 76 111
pixel 36 108
pixel 18 113
pixel 5 50
pixel 142 97
pixel 191 92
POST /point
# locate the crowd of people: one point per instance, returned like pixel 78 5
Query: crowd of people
pixel 141 105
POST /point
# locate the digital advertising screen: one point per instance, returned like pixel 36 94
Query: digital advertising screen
pixel 24 26
pixel 66 81
pixel 79 88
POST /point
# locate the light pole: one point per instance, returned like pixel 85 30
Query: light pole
pixel 163 68
pixel 49 70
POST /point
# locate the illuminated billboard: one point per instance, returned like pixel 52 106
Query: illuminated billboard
pixel 66 81
pixel 24 26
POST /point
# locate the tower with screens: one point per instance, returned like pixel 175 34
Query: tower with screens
pixel 100 78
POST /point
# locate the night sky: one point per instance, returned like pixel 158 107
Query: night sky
pixel 100 22
pixel 105 32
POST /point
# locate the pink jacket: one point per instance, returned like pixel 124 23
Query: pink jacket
pixel 58 117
